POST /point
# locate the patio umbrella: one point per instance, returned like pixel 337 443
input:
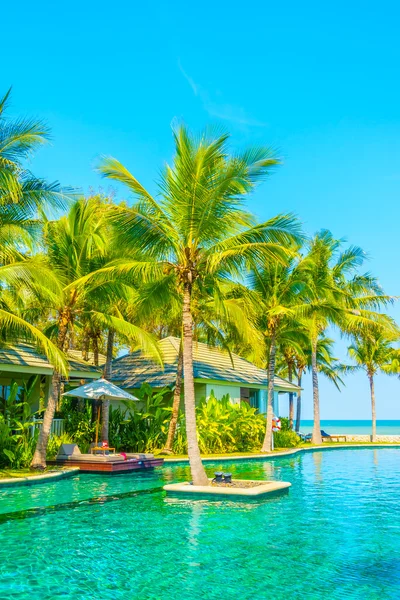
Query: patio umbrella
pixel 101 389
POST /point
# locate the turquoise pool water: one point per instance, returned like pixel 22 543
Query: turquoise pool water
pixel 335 535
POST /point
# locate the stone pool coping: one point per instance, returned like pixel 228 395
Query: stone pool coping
pixel 36 479
pixel 278 454
pixel 266 488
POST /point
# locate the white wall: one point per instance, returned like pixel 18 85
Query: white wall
pixel 221 390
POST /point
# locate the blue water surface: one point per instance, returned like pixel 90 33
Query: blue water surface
pixel 335 535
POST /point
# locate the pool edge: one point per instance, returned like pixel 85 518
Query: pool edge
pixel 37 479
pixel 274 455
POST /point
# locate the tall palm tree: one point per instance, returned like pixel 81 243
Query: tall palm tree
pixel 280 290
pixel 76 245
pixel 23 200
pixel 341 297
pixel 199 232
pixel 374 353
pixel 23 197
pixel 292 342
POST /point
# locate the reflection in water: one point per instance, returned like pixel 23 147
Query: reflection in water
pixel 269 470
pixel 317 459
pixel 335 534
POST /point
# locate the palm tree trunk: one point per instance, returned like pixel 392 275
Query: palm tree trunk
pixel 95 349
pixel 267 443
pixel 85 347
pixel 291 403
pixel 316 436
pixel 105 413
pixel 199 476
pixel 39 457
pixel 373 407
pixel 175 404
pixel 298 404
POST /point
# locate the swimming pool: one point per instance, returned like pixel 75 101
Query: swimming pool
pixel 335 535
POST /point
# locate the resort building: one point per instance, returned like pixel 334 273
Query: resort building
pixel 24 365
pixel 215 372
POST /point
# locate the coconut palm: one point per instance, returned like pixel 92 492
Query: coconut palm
pixel 341 297
pixel 291 345
pixel 23 197
pixel 373 353
pixel 327 364
pixel 76 245
pixel 199 232
pixel 280 290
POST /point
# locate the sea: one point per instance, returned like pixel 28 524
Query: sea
pixel 355 427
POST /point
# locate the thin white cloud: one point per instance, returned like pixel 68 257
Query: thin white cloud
pixel 224 111
pixel 188 79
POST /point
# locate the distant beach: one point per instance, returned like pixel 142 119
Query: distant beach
pixel 355 427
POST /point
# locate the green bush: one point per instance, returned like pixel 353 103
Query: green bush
pixel 286 439
pixel 78 423
pixel 224 427
pixel 54 444
pixel 17 443
pixel 141 427
pixel 285 424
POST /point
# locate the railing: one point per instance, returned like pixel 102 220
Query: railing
pixel 57 426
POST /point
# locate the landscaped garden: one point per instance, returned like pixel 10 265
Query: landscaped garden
pixel 95 276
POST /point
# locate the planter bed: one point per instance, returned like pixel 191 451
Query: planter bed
pixel 238 489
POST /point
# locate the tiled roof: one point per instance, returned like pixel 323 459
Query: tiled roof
pixel 132 370
pixel 25 355
pixel 77 355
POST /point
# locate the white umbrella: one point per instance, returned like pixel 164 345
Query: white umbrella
pixel 101 389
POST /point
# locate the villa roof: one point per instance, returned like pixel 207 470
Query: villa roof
pixel 210 364
pixel 25 358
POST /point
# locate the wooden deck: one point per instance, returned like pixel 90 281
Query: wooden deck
pixel 114 466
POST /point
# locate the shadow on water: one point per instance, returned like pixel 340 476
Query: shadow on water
pixel 55 508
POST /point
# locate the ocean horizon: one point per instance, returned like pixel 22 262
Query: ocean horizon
pixel 360 427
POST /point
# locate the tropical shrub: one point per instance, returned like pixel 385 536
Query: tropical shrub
pixel 17 444
pixel 141 427
pixel 17 437
pixel 54 444
pixel 227 427
pixel 286 439
pixel 223 427
pixel 285 424
pixel 78 423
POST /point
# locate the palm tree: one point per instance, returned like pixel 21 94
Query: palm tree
pixel 23 197
pixel 280 292
pixel 76 245
pixel 23 200
pixel 198 232
pixel 341 297
pixel 291 344
pixel 295 356
pixel 374 353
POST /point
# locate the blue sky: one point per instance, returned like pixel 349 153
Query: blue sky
pixel 319 82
